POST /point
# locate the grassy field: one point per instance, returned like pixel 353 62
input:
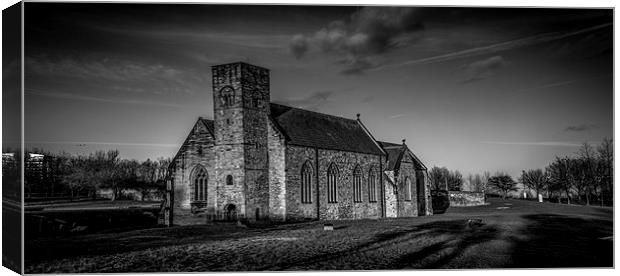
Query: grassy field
pixel 513 233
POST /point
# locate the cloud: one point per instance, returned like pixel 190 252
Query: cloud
pixel 312 102
pixel 120 74
pixel 563 83
pixel 497 47
pixel 368 99
pixel 483 69
pixel 580 128
pixel 299 46
pixel 355 66
pixel 548 143
pixel 367 32
pixel 548 85
pixel 397 116
pixel 70 96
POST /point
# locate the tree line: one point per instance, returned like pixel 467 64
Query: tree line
pixel 84 175
pixel 585 177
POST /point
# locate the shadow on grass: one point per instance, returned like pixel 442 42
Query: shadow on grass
pixel 457 237
pixel 564 241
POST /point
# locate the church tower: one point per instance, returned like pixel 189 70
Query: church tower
pixel 241 110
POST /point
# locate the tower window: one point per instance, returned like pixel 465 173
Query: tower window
pixel 229 180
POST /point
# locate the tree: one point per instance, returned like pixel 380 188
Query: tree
pixel 560 177
pixel 587 167
pixel 107 171
pixel 148 176
pixel 534 179
pixel 442 178
pixel 455 180
pixel 78 175
pixel 438 177
pixel 504 183
pixel 605 156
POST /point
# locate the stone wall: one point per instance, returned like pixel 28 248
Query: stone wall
pixel 346 208
pixel 462 198
pixel 407 206
pixel 391 206
pixel 277 179
pixel 196 151
pixel 296 156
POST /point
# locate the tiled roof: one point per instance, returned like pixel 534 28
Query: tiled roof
pixel 313 129
pixel 395 154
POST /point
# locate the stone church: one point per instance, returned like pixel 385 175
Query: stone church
pixel 260 160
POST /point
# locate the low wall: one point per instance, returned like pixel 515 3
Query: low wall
pixel 463 198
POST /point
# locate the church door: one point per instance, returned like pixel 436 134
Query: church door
pixel 231 212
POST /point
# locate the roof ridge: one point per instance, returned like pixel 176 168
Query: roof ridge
pixel 316 112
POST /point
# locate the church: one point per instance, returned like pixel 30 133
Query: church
pixel 257 160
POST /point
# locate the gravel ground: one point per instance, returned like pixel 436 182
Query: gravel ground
pixel 525 234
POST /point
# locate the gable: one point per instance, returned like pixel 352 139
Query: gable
pixel 201 133
pixel 398 153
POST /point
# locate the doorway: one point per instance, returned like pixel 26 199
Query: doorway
pixel 231 212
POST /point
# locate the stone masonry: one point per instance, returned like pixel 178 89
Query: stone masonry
pixel 253 152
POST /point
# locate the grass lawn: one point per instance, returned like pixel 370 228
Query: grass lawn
pixel 514 233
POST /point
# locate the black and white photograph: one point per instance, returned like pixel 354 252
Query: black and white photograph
pixel 251 137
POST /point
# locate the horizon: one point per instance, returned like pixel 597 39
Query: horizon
pixel 494 89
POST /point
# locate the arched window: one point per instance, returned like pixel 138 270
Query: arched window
pixel 407 189
pixel 372 185
pixel 200 179
pixel 229 180
pixel 306 183
pixel 332 183
pixel 357 184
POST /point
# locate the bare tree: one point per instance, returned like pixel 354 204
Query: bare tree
pixel 534 179
pixel 504 183
pixel 560 177
pixel 605 173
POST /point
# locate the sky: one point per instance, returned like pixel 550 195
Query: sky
pixel 472 89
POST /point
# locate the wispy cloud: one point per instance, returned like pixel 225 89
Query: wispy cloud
pixel 158 78
pixel 494 48
pixel 70 96
pixel 397 116
pixel 547 143
pixel 368 99
pixel 82 143
pixel 580 128
pixel 548 85
pixel 482 69
pixel 312 102
pixel 562 83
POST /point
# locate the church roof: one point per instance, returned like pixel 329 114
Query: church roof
pixel 313 129
pixel 395 153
